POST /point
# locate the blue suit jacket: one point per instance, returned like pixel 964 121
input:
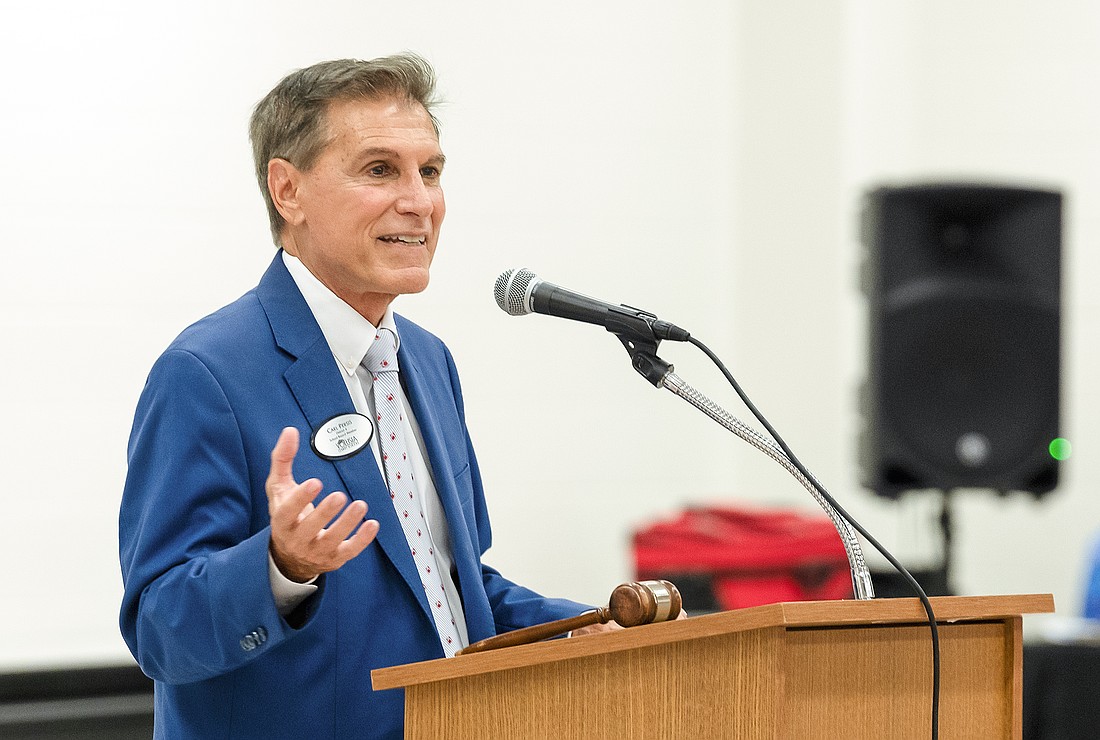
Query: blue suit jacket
pixel 198 612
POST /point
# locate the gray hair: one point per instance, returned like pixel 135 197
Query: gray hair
pixel 291 121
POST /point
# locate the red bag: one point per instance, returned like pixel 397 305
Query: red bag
pixel 746 557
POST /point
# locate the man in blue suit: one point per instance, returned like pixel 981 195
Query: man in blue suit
pixel 258 595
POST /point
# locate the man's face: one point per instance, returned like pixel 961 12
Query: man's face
pixel 370 208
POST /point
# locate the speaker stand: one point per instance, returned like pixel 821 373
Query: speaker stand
pixel 947 523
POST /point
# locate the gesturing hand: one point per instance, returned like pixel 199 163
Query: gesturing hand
pixel 307 540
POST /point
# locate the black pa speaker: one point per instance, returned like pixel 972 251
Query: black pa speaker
pixel 963 284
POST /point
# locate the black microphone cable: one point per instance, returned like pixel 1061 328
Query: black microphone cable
pixel 851 520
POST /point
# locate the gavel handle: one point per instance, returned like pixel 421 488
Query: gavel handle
pixel 602 615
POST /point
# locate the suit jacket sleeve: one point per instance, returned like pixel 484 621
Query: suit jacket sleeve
pixel 196 584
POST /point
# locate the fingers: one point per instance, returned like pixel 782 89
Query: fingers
pixel 307 547
pixel 336 544
pixel 598 628
pixel 290 507
pixel 349 519
pixel 289 502
pixel 308 539
pixel 358 542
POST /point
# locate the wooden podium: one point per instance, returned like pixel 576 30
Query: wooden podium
pixel 793 671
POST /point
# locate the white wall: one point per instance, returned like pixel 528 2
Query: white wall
pixel 701 161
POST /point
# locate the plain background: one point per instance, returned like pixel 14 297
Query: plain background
pixel 702 159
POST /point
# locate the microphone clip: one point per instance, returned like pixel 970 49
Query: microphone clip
pixel 635 329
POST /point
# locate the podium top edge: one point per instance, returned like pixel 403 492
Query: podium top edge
pixel 785 615
pixel 910 610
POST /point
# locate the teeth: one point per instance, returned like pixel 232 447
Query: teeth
pixel 404 239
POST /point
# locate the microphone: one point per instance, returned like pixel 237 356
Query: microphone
pixel 519 292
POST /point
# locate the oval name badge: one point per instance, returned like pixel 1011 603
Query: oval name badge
pixel 342 436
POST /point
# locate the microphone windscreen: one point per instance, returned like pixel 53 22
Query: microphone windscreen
pixel 512 291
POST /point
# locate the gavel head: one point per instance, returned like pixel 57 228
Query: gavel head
pixel 643 602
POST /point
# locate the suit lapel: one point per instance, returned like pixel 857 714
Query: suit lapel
pixel 315 381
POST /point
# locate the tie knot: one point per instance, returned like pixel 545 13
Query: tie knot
pixel 381 357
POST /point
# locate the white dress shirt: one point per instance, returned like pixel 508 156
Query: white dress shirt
pixel 349 335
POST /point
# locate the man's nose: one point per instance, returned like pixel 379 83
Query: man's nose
pixel 415 196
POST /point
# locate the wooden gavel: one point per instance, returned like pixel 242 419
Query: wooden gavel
pixel 631 604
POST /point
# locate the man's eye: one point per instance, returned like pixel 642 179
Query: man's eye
pixel 379 170
pixel 430 171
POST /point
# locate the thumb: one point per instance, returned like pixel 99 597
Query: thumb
pixel 282 458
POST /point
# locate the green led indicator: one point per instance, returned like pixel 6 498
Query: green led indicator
pixel 1060 449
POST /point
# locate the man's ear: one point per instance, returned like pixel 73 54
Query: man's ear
pixel 283 180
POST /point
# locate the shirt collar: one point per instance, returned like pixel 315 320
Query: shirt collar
pixel 348 334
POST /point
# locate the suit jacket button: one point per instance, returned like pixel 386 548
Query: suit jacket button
pixel 254 639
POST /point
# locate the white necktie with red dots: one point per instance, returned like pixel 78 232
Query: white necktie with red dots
pixel 381 361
